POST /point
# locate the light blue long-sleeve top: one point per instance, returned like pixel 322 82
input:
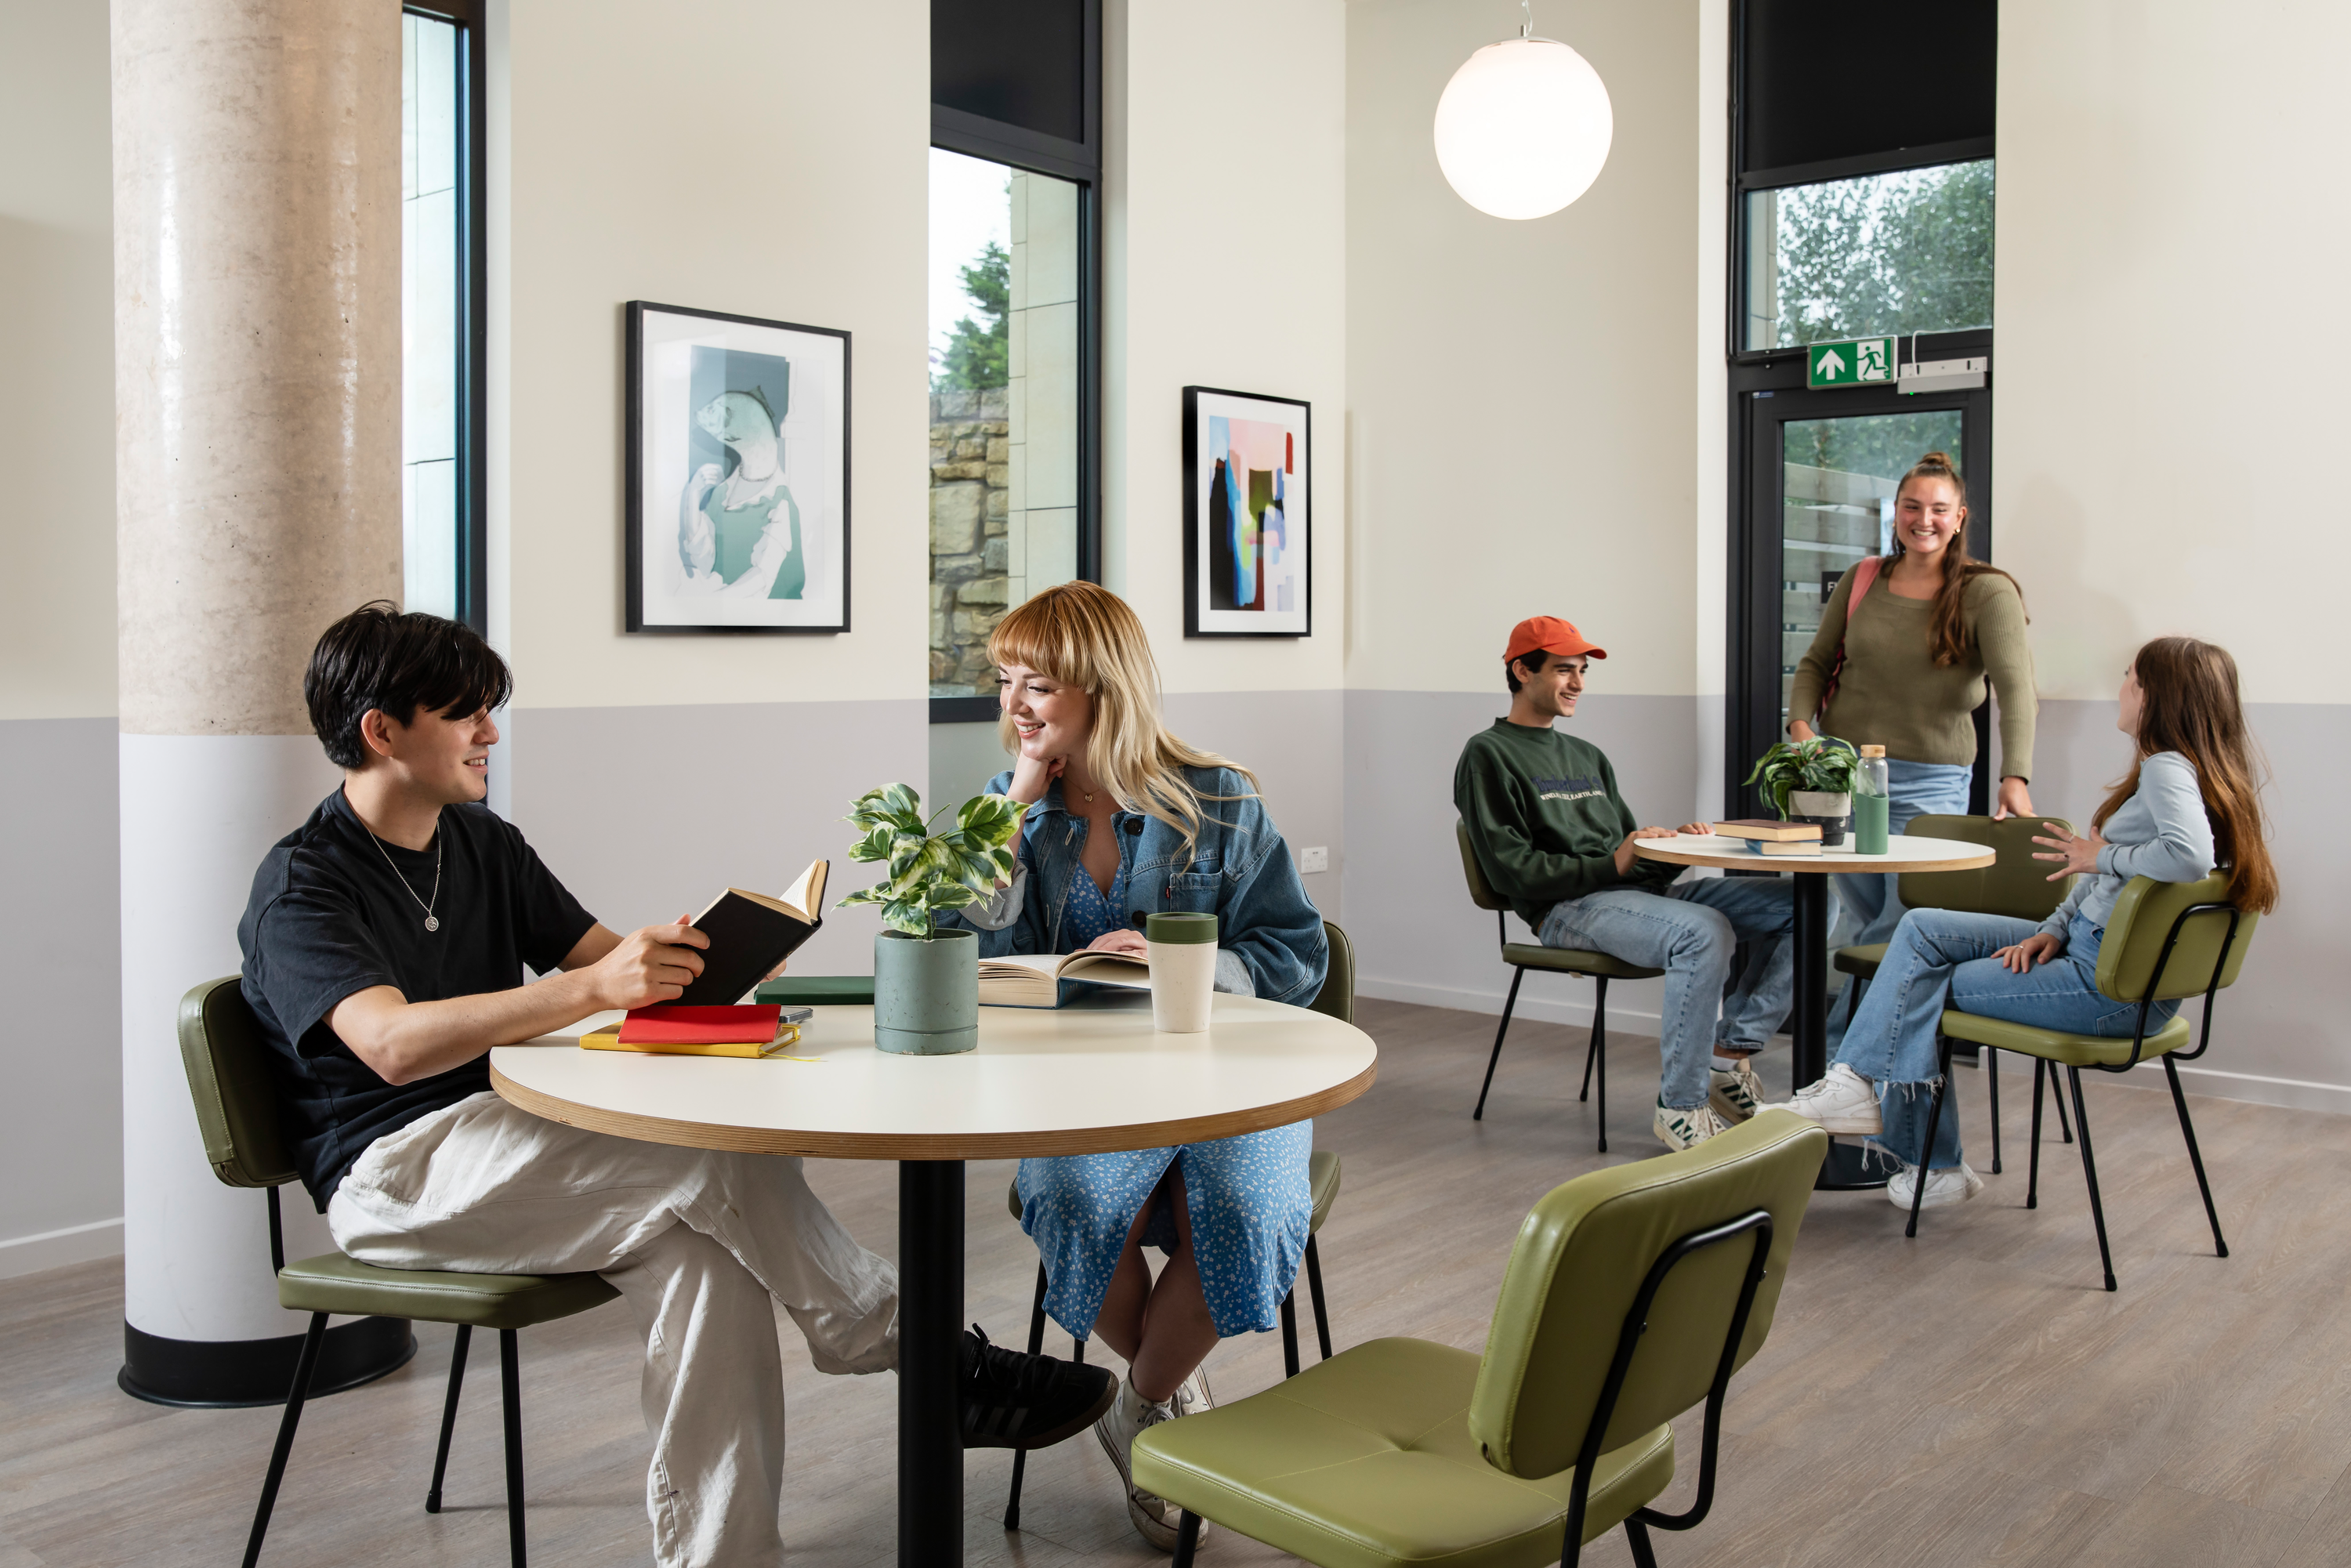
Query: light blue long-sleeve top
pixel 2160 832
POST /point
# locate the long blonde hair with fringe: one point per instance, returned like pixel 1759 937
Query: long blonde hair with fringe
pixel 1083 635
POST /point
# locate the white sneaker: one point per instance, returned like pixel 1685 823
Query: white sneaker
pixel 1734 1091
pixel 1130 1415
pixel 1843 1101
pixel 1680 1130
pixel 1954 1186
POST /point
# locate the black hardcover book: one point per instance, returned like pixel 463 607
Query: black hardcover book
pixel 750 933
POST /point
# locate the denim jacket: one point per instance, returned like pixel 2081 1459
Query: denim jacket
pixel 1268 935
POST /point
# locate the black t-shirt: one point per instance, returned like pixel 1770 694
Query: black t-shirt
pixel 329 916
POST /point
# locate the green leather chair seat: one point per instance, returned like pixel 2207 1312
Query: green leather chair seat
pixel 1574 961
pixel 1863 960
pixel 2069 1049
pixel 1321 1181
pixel 334 1283
pixel 1365 1461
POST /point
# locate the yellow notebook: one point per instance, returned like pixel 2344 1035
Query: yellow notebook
pixel 609 1039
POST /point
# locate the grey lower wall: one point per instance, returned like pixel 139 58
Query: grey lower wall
pixel 1417 937
pixel 61 1161
pixel 649 812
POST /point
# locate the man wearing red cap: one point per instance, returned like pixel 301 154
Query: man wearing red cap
pixel 1554 837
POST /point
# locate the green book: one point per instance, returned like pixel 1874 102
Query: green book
pixel 818 990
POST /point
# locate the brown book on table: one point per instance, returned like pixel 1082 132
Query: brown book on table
pixel 1785 846
pixel 1764 829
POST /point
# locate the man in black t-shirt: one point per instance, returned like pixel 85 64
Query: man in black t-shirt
pixel 385 944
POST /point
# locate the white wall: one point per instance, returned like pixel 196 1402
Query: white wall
pixel 2173 215
pixel 61 1148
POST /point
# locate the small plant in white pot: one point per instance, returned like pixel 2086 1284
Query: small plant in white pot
pixel 1811 781
pixel 926 981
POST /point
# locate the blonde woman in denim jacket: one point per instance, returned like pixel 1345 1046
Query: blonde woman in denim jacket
pixel 1125 820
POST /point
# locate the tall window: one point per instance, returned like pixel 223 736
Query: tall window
pixel 1015 355
pixel 440 293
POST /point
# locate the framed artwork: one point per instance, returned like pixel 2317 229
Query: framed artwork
pixel 1249 554
pixel 737 473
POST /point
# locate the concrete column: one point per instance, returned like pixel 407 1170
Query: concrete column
pixel 257 381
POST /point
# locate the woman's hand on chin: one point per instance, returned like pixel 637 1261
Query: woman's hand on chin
pixel 1131 943
pixel 1031 774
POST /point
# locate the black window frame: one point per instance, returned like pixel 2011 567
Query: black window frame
pixel 1080 164
pixel 1751 684
pixel 473 415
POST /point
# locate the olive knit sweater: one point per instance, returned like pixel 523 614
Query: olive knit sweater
pixel 1892 691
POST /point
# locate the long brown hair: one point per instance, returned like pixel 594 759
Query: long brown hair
pixel 2190 704
pixel 1946 629
pixel 1083 635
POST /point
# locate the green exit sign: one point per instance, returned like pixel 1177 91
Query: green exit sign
pixel 1858 362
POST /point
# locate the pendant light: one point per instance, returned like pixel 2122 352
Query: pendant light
pixel 1524 126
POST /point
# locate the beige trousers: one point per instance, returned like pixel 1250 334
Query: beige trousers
pixel 702 1245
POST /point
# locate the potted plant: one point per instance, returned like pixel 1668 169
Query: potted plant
pixel 1811 781
pixel 925 980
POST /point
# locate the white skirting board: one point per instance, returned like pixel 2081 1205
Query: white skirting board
pixel 198 812
pixel 56 1248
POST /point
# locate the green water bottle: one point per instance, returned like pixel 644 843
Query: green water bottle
pixel 1871 797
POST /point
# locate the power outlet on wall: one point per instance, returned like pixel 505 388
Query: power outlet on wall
pixel 1311 861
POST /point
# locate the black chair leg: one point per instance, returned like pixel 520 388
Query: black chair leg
pixel 1934 1125
pixel 1314 1289
pixel 1638 1534
pixel 1600 1052
pixel 449 1415
pixel 1508 1002
pixel 2090 1172
pixel 2032 1157
pixel 305 1366
pixel 510 1375
pixel 2195 1158
pixel 1989 1059
pixel 1036 1344
pixel 2065 1128
pixel 1290 1334
pixel 1187 1538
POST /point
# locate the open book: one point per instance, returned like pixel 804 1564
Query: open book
pixel 750 933
pixel 1051 979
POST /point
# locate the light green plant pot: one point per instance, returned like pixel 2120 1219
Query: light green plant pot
pixel 926 993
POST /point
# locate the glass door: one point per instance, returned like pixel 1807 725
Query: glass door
pixel 1822 469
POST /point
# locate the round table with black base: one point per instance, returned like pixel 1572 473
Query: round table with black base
pixel 1845 1169
pixel 1080 1080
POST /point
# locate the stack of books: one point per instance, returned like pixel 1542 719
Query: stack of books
pixel 671 1030
pixel 1767 837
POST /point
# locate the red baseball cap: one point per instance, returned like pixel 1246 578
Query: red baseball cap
pixel 1550 635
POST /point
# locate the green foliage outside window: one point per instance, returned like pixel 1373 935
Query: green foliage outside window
pixel 1887 253
pixel 979 356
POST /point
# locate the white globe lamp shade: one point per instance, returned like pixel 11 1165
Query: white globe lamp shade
pixel 1523 128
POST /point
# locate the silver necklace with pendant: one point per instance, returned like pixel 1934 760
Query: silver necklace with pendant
pixel 432 922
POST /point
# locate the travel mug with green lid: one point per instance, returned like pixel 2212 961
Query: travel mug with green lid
pixel 1183 970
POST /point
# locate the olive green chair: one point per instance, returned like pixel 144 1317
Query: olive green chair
pixel 2015 885
pixel 236 1110
pixel 1337 998
pixel 1632 1294
pixel 2166 941
pixel 1598 968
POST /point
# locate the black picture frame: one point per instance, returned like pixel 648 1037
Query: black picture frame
pixel 657 607
pixel 1205 619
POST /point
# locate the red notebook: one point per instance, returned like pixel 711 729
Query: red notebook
pixel 669 1024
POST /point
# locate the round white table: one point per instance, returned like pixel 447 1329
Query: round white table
pixel 1077 1079
pixel 1844 1170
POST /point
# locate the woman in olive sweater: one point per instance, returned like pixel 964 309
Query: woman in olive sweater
pixel 1929 632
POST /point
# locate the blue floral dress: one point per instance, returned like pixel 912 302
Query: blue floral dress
pixel 1246 1196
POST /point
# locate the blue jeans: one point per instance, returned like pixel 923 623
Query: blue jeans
pixel 1688 931
pixel 1871 907
pixel 1941 958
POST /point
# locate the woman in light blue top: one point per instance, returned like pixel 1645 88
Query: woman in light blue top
pixel 1125 820
pixel 2189 803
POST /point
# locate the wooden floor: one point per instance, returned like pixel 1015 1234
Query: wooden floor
pixel 1972 1397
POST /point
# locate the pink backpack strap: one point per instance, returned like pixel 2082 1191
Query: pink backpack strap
pixel 1865 572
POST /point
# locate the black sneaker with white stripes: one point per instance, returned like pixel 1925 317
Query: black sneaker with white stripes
pixel 1012 1400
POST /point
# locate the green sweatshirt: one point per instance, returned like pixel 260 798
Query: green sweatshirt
pixel 1893 694
pixel 1545 818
